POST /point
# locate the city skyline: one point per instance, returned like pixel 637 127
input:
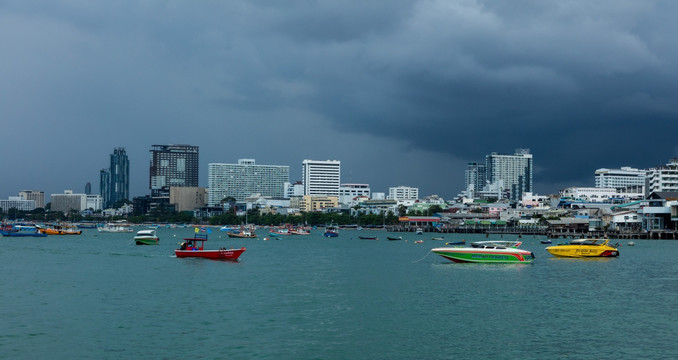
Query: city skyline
pixel 402 93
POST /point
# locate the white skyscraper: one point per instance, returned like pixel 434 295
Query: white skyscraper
pixel 321 178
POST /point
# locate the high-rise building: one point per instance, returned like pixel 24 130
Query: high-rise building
pixel 173 165
pixel 403 193
pixel 244 179
pixel 515 170
pixel 321 178
pixel 105 187
pixel 88 188
pixel 37 196
pixel 119 171
pixel 619 178
pixel 476 175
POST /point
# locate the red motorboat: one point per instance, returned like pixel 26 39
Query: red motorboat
pixel 190 248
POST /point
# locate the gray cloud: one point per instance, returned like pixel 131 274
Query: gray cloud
pixel 386 87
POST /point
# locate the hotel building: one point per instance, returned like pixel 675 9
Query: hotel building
pixel 68 201
pixel 475 176
pixel 17 202
pixel 173 165
pixel 244 179
pixel 321 178
pixel 515 170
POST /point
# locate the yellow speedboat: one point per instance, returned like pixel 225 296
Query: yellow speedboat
pixel 584 248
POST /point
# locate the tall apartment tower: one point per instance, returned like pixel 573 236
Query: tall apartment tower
pixel 244 179
pixel 88 188
pixel 321 178
pixel 105 187
pixel 515 170
pixel 173 165
pixel 475 177
pixel 119 175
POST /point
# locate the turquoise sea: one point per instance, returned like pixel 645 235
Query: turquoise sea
pixel 99 296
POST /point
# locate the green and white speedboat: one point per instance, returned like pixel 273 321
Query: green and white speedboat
pixel 487 252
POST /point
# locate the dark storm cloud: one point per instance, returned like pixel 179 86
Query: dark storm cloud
pixel 387 87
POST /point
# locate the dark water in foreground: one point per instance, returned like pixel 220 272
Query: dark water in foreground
pixel 307 297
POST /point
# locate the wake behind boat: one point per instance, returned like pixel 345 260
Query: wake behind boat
pixel 487 252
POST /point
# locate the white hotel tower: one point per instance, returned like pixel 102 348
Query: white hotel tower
pixel 321 178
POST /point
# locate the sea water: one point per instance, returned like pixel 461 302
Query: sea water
pixel 98 295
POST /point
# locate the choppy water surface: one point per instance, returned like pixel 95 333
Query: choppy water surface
pixel 308 297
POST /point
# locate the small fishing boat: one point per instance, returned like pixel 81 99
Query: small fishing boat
pixel 487 252
pixel 146 237
pixel 191 248
pixel 21 231
pixel 279 232
pixel 419 231
pixel 241 234
pixel 368 237
pixel 439 238
pixel 584 248
pixel 59 230
pixel 419 242
pixel 394 237
pixel 331 231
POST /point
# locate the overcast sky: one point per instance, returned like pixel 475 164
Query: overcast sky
pixel 401 92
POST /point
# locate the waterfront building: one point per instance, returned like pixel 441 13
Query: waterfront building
pixel 403 193
pixel 94 202
pixel 308 203
pixel 662 178
pixel 515 170
pixel 173 165
pixel 626 177
pixel 348 192
pixel 296 189
pixel 35 195
pixel 244 179
pixel 185 198
pixel 475 177
pixel 321 178
pixel 597 195
pixel 119 171
pixel 68 201
pixel 17 202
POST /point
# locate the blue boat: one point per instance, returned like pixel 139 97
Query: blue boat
pixel 20 231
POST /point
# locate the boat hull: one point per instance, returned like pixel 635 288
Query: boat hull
pixel 60 232
pixel 146 241
pixel 242 236
pixel 21 234
pixel 330 234
pixel 221 254
pixel 473 255
pixel 580 251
